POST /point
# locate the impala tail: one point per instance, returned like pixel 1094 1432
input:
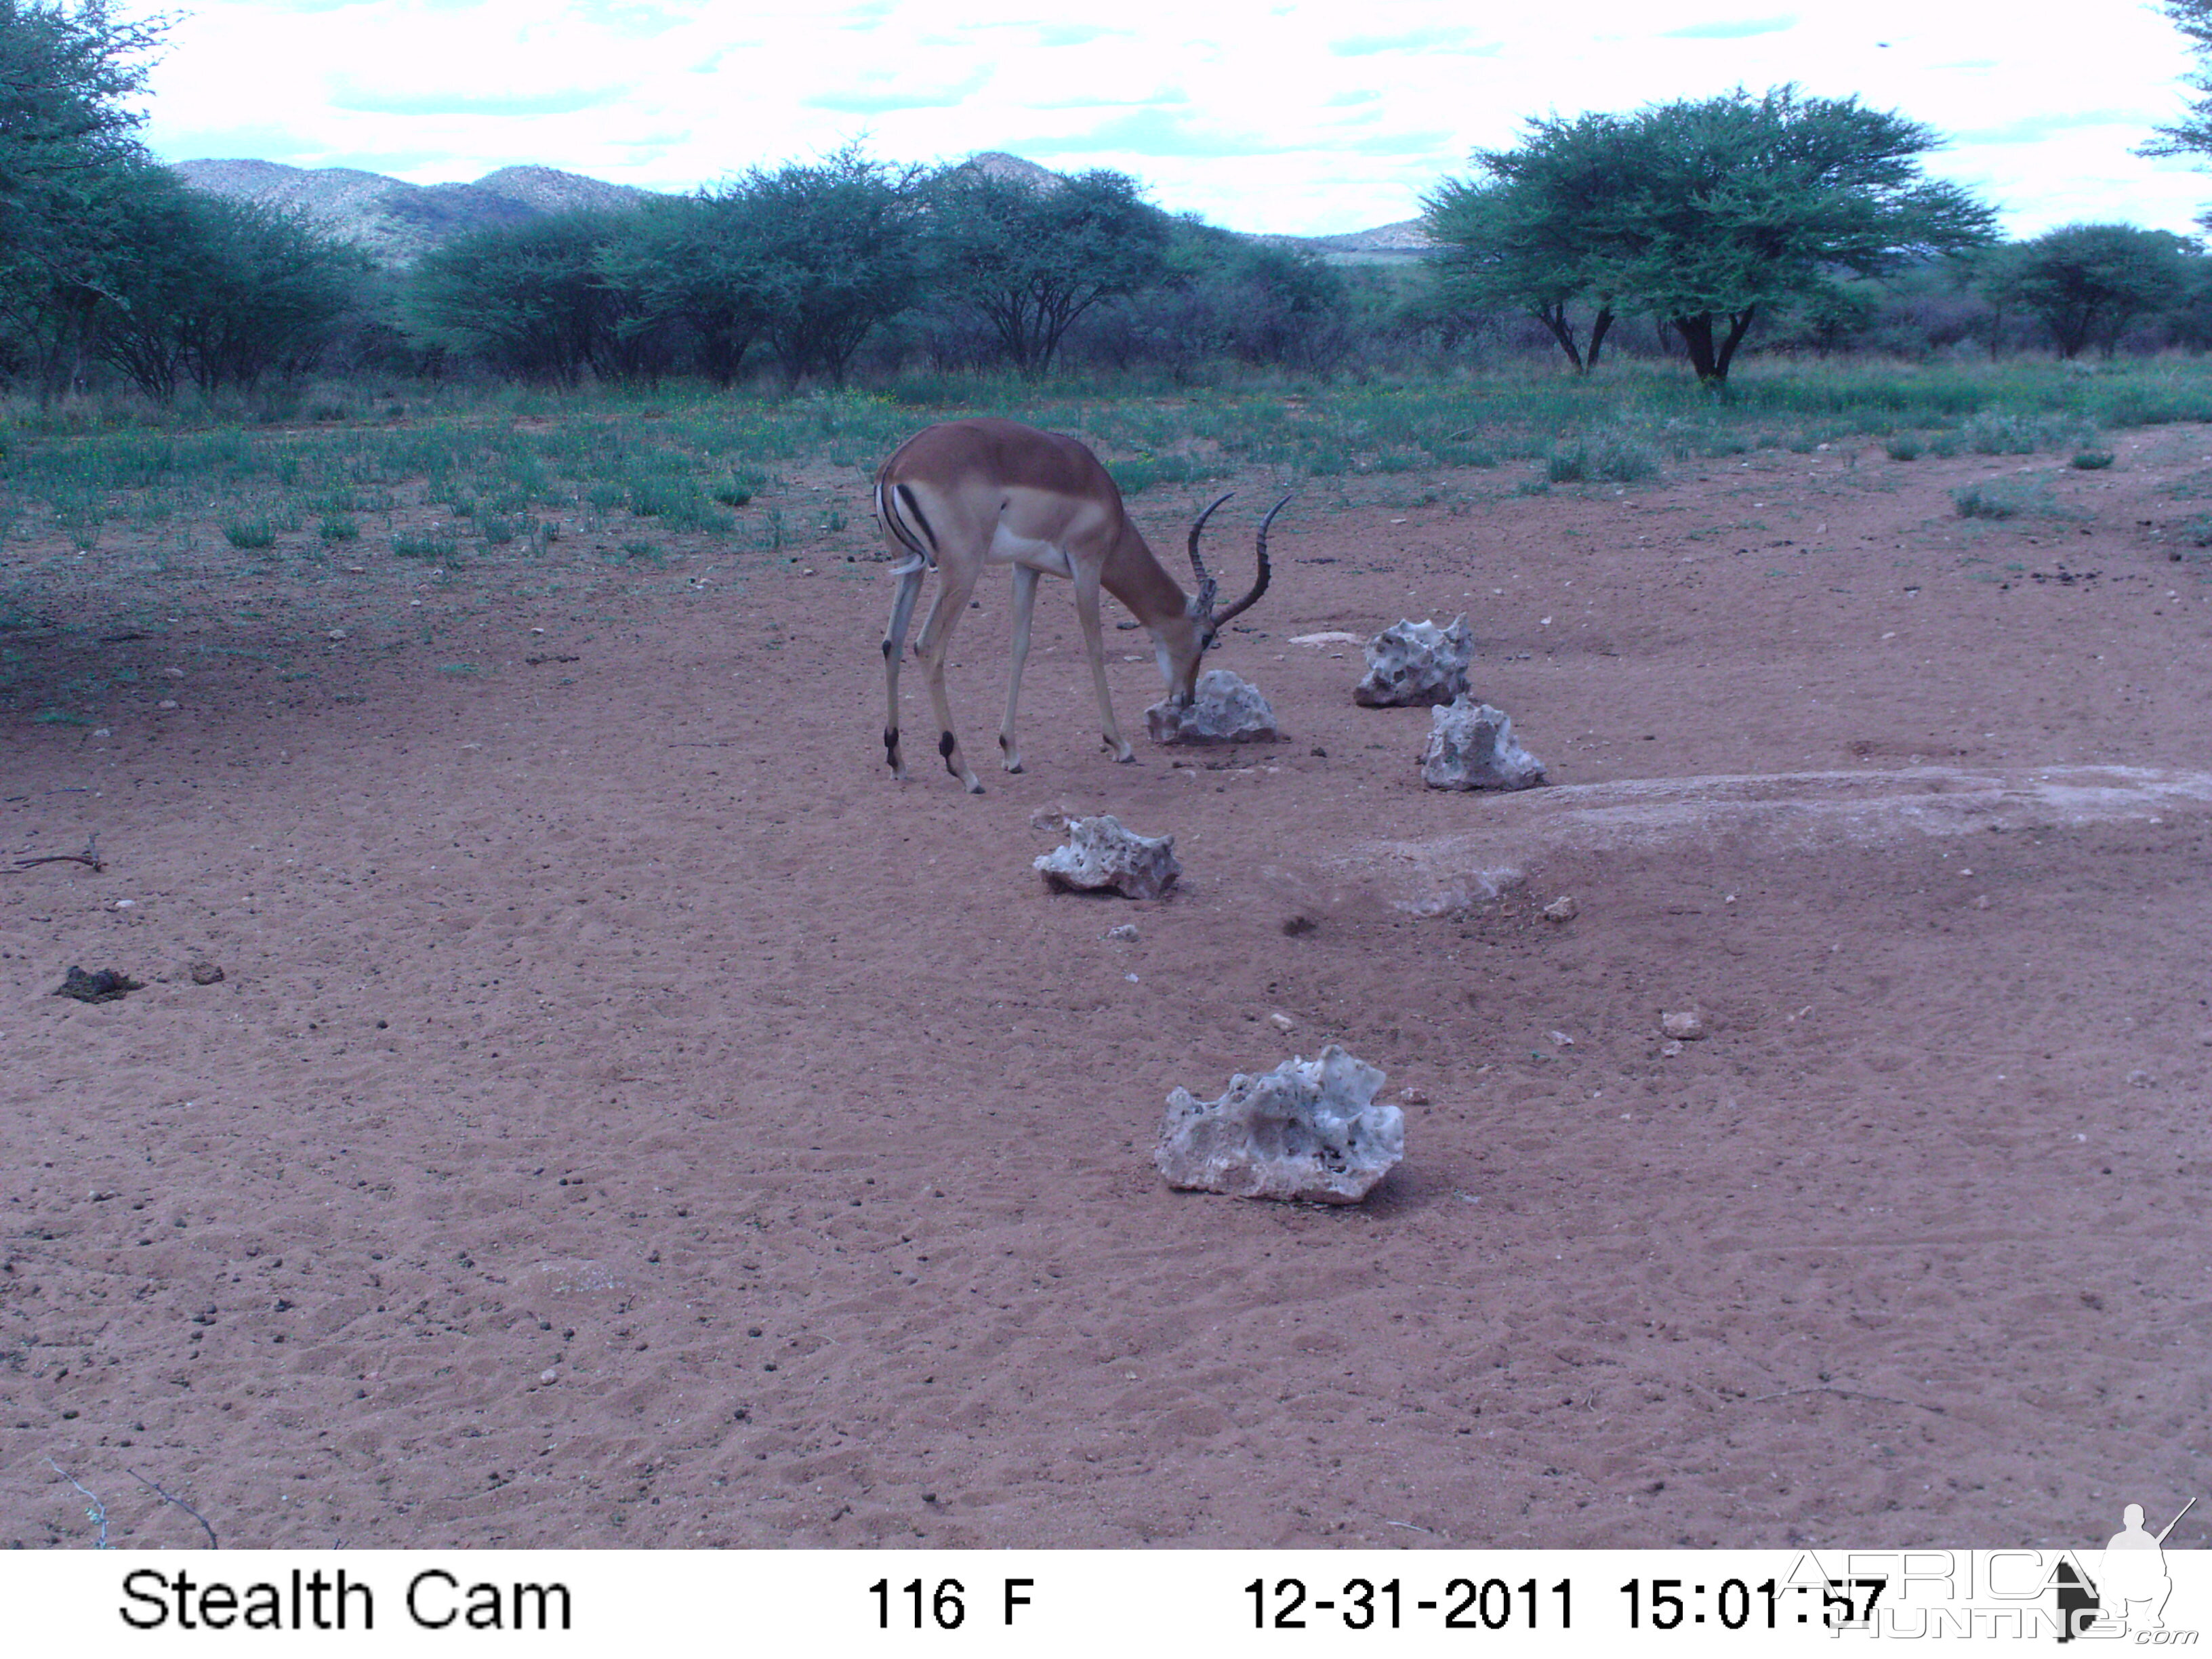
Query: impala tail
pixel 895 505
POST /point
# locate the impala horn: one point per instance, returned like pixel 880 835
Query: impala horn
pixel 1205 584
pixel 1207 587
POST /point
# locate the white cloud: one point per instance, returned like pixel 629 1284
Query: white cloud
pixel 1257 113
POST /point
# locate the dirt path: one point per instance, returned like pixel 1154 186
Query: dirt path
pixel 628 1118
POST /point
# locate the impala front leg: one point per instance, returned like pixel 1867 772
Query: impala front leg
pixel 1025 587
pixel 1094 641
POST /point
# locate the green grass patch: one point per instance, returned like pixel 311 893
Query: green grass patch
pixel 2009 498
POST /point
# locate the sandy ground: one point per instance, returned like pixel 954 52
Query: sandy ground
pixel 628 1118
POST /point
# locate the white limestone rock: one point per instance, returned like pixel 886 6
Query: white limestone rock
pixel 1471 746
pixel 1411 664
pixel 1225 709
pixel 1310 1129
pixel 1101 857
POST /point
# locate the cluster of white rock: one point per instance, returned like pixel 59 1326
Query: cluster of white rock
pixel 1411 665
pixel 1471 744
pixel 1100 856
pixel 1310 1129
pixel 1226 708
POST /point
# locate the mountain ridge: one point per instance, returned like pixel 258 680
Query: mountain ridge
pixel 397 222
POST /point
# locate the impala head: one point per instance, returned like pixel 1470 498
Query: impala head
pixel 1183 642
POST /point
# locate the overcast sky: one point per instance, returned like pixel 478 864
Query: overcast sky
pixel 1307 119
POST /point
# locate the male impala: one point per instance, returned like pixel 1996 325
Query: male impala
pixel 966 494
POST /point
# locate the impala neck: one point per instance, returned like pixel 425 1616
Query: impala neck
pixel 1133 575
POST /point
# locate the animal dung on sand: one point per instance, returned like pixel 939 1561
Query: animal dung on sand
pixel 1227 708
pixel 1310 1129
pixel 1410 664
pixel 1101 857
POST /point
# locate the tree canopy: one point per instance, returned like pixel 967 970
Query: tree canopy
pixel 2088 284
pixel 68 158
pixel 2191 135
pixel 1702 212
pixel 1034 258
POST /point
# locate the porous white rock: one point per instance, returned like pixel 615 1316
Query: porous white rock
pixel 1471 746
pixel 1101 857
pixel 1310 1129
pixel 1224 709
pixel 1411 663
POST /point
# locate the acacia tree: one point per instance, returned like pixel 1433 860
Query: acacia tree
pixel 1530 234
pixel 2192 134
pixel 1705 212
pixel 70 169
pixel 694 265
pixel 2088 284
pixel 1032 258
pixel 531 299
pixel 835 250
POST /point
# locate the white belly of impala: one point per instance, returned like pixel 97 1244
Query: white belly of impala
pixel 1006 548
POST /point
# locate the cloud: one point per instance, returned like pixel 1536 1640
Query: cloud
pixel 1161 134
pixel 2034 129
pixel 1742 29
pixel 894 95
pixel 1462 41
pixel 347 93
pixel 1135 100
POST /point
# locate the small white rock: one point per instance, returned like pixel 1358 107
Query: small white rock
pixel 126 904
pixel 1282 1022
pixel 1670 1049
pixel 1687 1026
pixel 1125 934
pixel 167 702
pixel 1562 908
pixel 549 1375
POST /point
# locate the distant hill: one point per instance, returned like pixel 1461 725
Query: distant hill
pixel 398 222
pixel 1404 240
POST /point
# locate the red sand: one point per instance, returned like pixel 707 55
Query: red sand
pixel 628 1118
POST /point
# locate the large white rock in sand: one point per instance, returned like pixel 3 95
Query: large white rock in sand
pixel 1101 857
pixel 1410 664
pixel 1225 709
pixel 1471 746
pixel 1309 1129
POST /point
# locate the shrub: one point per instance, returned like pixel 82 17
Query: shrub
pixel 250 534
pixel 2008 498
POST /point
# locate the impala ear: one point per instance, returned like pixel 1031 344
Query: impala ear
pixel 1201 602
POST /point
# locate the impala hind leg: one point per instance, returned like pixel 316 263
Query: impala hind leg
pixel 909 586
pixel 1026 586
pixel 1094 642
pixel 953 589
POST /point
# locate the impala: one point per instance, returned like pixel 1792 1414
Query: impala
pixel 967 494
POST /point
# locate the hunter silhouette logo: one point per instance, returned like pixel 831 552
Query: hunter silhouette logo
pixel 2131 1585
